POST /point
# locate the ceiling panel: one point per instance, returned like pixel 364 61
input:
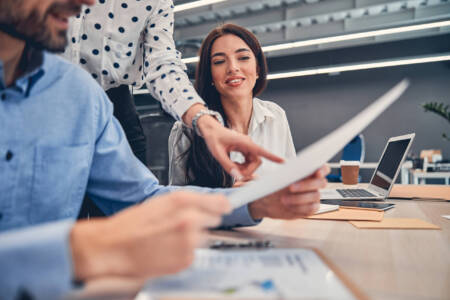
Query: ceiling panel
pixel 281 21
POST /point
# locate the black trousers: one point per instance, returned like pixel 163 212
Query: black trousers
pixel 125 112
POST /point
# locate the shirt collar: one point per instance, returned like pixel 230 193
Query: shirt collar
pixel 259 114
pixel 32 64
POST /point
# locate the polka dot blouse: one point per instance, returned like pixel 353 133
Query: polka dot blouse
pixel 131 42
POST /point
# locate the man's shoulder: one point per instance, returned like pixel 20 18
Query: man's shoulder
pixel 76 86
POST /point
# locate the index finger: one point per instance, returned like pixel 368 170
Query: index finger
pixel 228 165
pixel 252 162
pixel 253 149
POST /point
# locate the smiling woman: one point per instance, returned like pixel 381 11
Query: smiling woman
pixel 231 72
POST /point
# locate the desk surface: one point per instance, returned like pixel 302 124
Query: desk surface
pixel 384 264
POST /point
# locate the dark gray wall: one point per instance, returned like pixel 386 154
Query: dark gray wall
pixel 315 105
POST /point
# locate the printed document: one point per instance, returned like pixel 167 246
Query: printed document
pixel 250 274
pixel 314 156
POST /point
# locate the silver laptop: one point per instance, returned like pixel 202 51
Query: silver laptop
pixel 384 176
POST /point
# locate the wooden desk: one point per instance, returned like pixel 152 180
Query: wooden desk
pixel 384 264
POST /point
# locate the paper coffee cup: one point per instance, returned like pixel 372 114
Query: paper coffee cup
pixel 350 171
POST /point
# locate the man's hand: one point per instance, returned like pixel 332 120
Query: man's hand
pixel 300 199
pixel 221 141
pixel 155 238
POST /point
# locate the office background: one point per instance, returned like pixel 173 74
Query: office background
pixel 317 104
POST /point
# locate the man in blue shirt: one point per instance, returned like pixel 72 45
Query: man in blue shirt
pixel 58 141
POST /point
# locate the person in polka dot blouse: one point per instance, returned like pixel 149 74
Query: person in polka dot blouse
pixel 130 42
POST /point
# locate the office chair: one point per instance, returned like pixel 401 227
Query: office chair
pixel 354 150
pixel 157 128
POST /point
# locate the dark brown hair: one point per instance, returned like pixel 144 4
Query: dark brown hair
pixel 201 167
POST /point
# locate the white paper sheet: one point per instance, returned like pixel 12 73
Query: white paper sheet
pixel 315 155
pixel 250 274
pixel 323 208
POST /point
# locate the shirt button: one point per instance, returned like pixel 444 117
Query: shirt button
pixel 3 96
pixel 9 155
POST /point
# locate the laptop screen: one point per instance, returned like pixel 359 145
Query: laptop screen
pixel 390 162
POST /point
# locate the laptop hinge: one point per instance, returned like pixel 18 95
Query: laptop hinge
pixel 379 191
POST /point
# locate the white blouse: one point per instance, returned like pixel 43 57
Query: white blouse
pixel 131 42
pixel 268 128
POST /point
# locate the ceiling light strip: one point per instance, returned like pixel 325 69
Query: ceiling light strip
pixel 195 4
pixel 190 60
pixel 345 37
pixel 361 66
pixel 354 36
pixel 352 67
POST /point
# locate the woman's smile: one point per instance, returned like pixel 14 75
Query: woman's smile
pixel 234 81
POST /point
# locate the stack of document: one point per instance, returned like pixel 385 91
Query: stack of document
pixel 251 274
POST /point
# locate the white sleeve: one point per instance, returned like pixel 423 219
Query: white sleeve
pixel 178 144
pixel 164 71
pixel 287 138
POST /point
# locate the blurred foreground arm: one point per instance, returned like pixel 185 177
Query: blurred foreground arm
pixel 154 238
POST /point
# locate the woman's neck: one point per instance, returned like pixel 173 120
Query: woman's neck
pixel 238 112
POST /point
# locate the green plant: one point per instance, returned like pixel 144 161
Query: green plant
pixel 439 109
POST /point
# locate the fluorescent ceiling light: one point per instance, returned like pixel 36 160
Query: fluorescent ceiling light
pixel 351 67
pixel 345 37
pixel 362 66
pixel 195 4
pixel 190 60
pixel 354 36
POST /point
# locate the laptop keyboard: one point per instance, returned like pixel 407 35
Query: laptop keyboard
pixel 346 193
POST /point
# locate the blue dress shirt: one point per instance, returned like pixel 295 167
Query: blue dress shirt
pixel 58 140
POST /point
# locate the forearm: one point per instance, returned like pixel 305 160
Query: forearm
pixel 94 250
pixel 206 123
pixel 36 261
pixel 239 217
pixel 166 77
pixel 83 245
